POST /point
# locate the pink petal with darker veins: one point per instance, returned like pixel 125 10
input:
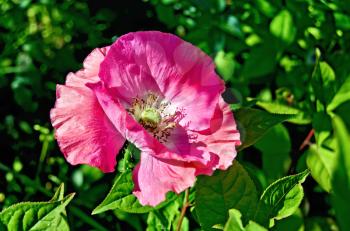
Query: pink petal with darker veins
pixel 83 131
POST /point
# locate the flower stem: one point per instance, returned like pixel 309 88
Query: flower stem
pixel 185 205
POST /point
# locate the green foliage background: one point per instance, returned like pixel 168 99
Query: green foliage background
pixel 288 57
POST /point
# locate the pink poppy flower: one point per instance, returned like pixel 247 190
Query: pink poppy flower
pixel 161 94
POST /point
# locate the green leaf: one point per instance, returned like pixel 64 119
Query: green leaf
pixel 234 223
pixel 342 95
pixel 254 123
pixel 321 163
pixel 222 191
pixel 121 197
pixel 275 147
pixel 300 117
pixel 281 199
pixel 37 215
pixel 283 28
pixel 341 175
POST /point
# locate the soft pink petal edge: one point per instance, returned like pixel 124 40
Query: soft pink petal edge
pixel 83 132
pixel 222 137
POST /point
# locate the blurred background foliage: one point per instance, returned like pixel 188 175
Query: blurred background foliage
pixel 281 56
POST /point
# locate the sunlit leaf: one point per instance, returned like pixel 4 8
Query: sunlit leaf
pixel 281 199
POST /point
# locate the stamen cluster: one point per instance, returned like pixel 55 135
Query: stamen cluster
pixel 151 111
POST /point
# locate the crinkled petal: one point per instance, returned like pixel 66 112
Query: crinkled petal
pixel 84 133
pixel 91 66
pixel 155 61
pixel 222 137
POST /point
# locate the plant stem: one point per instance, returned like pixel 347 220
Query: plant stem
pixel 183 210
pixel 307 139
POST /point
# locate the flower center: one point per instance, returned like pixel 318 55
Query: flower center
pixel 150 117
pixel 153 114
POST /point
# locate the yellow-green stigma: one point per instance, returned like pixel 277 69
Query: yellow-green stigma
pixel 150 117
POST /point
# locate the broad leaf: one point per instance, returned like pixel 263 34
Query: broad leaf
pixel 283 28
pixel 281 198
pixel 341 177
pixel 254 123
pixel 321 163
pixel 37 215
pixel 121 197
pixel 225 190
